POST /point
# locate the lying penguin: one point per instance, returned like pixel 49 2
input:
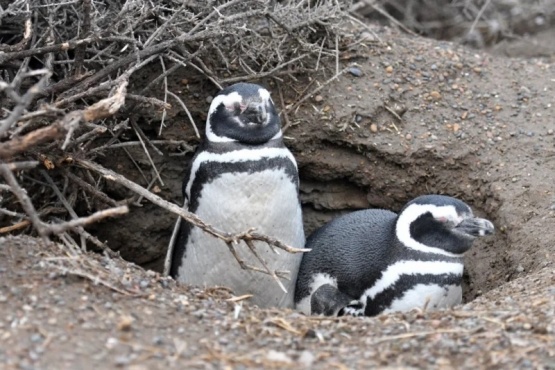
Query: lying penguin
pixel 241 176
pixel 374 261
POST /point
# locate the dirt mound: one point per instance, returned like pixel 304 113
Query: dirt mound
pixel 123 316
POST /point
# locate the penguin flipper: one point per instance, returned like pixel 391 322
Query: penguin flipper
pixel 171 247
pixel 327 300
pixel 168 261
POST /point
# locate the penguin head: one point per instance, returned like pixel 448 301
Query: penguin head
pixel 440 224
pixel 243 113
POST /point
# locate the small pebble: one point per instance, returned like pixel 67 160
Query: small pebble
pixel 435 95
pixel 122 360
pixel 278 356
pixel 125 323
pixel 389 69
pixel 355 71
pixel 144 284
pixel 111 343
pixel 35 338
pixel 137 367
pixel 526 363
pixel 550 132
pixel 158 341
pixel 318 98
pixel 209 99
pixel 374 127
pixel 307 358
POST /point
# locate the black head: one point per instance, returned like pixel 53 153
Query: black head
pixel 440 224
pixel 243 113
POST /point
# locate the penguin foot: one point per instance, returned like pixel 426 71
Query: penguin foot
pixel 327 300
pixel 354 308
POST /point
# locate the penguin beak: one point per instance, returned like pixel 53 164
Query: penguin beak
pixel 256 113
pixel 474 226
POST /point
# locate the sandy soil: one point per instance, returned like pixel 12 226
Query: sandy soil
pixel 424 117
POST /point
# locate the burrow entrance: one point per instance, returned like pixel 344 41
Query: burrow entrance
pixel 342 178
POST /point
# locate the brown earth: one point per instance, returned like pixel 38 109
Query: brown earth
pixel 424 117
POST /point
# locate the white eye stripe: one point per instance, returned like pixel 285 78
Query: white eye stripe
pixel 264 94
pixel 414 211
pixel 230 101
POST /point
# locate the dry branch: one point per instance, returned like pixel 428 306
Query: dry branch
pixel 107 107
pixel 23 198
pixel 45 229
pixel 68 45
pixel 102 109
pixel 33 138
pixel 22 102
pixel 95 217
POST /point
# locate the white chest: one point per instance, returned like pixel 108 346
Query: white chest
pixel 427 296
pixel 235 202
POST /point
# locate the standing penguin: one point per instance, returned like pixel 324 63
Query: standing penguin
pixel 241 176
pixel 374 261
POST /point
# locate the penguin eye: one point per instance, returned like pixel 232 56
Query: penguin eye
pixel 446 221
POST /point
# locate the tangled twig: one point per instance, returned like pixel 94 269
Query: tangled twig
pixel 43 228
pixel 72 83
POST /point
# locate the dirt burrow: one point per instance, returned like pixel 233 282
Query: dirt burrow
pixel 424 117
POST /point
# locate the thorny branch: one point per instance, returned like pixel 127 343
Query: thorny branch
pixel 73 89
pixel 43 228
